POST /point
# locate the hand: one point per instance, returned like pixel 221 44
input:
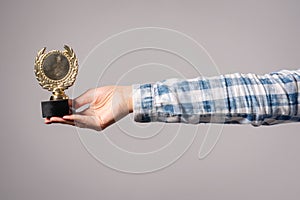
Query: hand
pixel 106 105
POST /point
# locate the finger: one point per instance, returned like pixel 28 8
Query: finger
pixel 84 121
pixel 76 118
pixel 87 112
pixel 61 120
pixel 83 99
pixel 71 103
pixel 65 122
pixel 79 120
pixel 47 121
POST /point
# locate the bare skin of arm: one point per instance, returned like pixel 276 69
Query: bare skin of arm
pixel 106 105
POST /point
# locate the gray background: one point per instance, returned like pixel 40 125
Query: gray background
pixel 49 162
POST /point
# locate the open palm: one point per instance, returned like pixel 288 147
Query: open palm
pixel 106 105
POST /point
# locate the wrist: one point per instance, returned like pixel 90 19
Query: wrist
pixel 128 94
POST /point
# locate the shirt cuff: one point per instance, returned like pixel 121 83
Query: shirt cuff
pixel 143 102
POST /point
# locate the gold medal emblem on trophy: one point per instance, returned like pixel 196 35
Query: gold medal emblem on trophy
pixel 56 71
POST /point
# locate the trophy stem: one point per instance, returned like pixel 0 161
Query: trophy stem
pixel 58 94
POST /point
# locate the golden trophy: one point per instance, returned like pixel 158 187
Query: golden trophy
pixel 56 71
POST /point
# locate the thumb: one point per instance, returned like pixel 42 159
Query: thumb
pixel 85 98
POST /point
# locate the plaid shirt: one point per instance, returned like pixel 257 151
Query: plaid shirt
pixel 234 98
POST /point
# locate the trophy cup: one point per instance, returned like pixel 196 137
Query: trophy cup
pixel 56 71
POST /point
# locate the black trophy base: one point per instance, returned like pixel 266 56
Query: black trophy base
pixel 55 108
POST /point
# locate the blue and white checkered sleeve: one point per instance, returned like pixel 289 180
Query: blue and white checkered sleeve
pixel 234 98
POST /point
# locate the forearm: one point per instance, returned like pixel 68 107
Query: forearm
pixel 233 98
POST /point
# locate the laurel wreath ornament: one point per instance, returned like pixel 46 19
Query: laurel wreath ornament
pixel 63 83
